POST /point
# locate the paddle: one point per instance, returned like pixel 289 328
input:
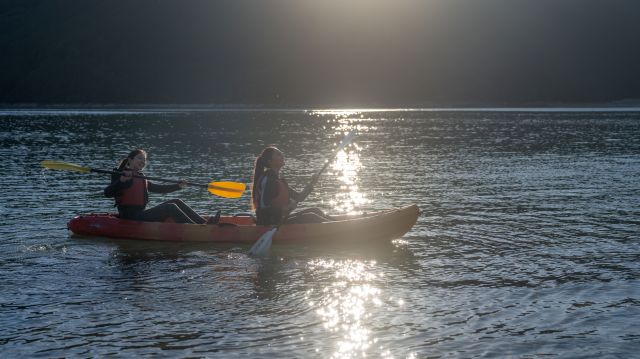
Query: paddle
pixel 263 243
pixel 221 189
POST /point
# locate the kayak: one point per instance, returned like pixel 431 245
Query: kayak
pixel 369 227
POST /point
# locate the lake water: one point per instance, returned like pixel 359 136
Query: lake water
pixel 528 244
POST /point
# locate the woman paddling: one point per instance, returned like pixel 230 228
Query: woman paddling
pixel 271 196
pixel 132 194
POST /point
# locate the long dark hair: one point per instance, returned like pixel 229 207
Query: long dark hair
pixel 259 168
pixel 130 156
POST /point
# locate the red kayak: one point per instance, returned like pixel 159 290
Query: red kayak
pixel 369 227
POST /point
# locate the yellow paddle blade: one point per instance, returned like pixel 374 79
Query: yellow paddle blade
pixel 227 189
pixel 64 166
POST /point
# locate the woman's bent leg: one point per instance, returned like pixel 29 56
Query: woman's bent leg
pixel 195 217
pixel 309 215
pixel 163 211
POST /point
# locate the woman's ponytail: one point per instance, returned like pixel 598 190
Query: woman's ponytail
pixel 258 170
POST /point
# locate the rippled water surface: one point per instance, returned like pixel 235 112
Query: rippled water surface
pixel 528 244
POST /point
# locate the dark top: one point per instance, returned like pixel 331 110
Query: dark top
pixel 269 215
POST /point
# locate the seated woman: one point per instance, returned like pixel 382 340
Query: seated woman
pixel 273 199
pixel 131 194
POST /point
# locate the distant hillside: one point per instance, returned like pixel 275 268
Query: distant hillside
pixel 329 52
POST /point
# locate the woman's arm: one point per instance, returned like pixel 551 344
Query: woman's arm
pixel 300 196
pixel 116 186
pixel 162 188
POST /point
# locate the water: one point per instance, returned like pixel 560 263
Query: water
pixel 528 244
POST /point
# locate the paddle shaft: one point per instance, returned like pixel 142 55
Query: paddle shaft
pixel 314 180
pixel 150 178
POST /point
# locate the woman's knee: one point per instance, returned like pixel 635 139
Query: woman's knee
pixel 317 211
pixel 305 218
pixel 173 207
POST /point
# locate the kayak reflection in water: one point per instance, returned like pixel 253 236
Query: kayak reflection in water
pixel 131 194
pixel 273 199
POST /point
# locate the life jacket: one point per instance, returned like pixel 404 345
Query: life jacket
pixel 134 194
pixel 281 200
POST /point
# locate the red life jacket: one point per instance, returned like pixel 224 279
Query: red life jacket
pixel 134 194
pixel 281 200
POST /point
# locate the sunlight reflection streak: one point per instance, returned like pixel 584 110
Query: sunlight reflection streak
pixel 346 168
pixel 344 305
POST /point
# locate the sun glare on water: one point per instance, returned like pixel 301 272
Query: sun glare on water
pixel 347 165
pixel 349 198
pixel 345 306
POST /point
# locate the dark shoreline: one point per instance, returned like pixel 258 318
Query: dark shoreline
pixel 19 109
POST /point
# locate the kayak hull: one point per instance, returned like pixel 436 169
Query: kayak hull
pixel 372 227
